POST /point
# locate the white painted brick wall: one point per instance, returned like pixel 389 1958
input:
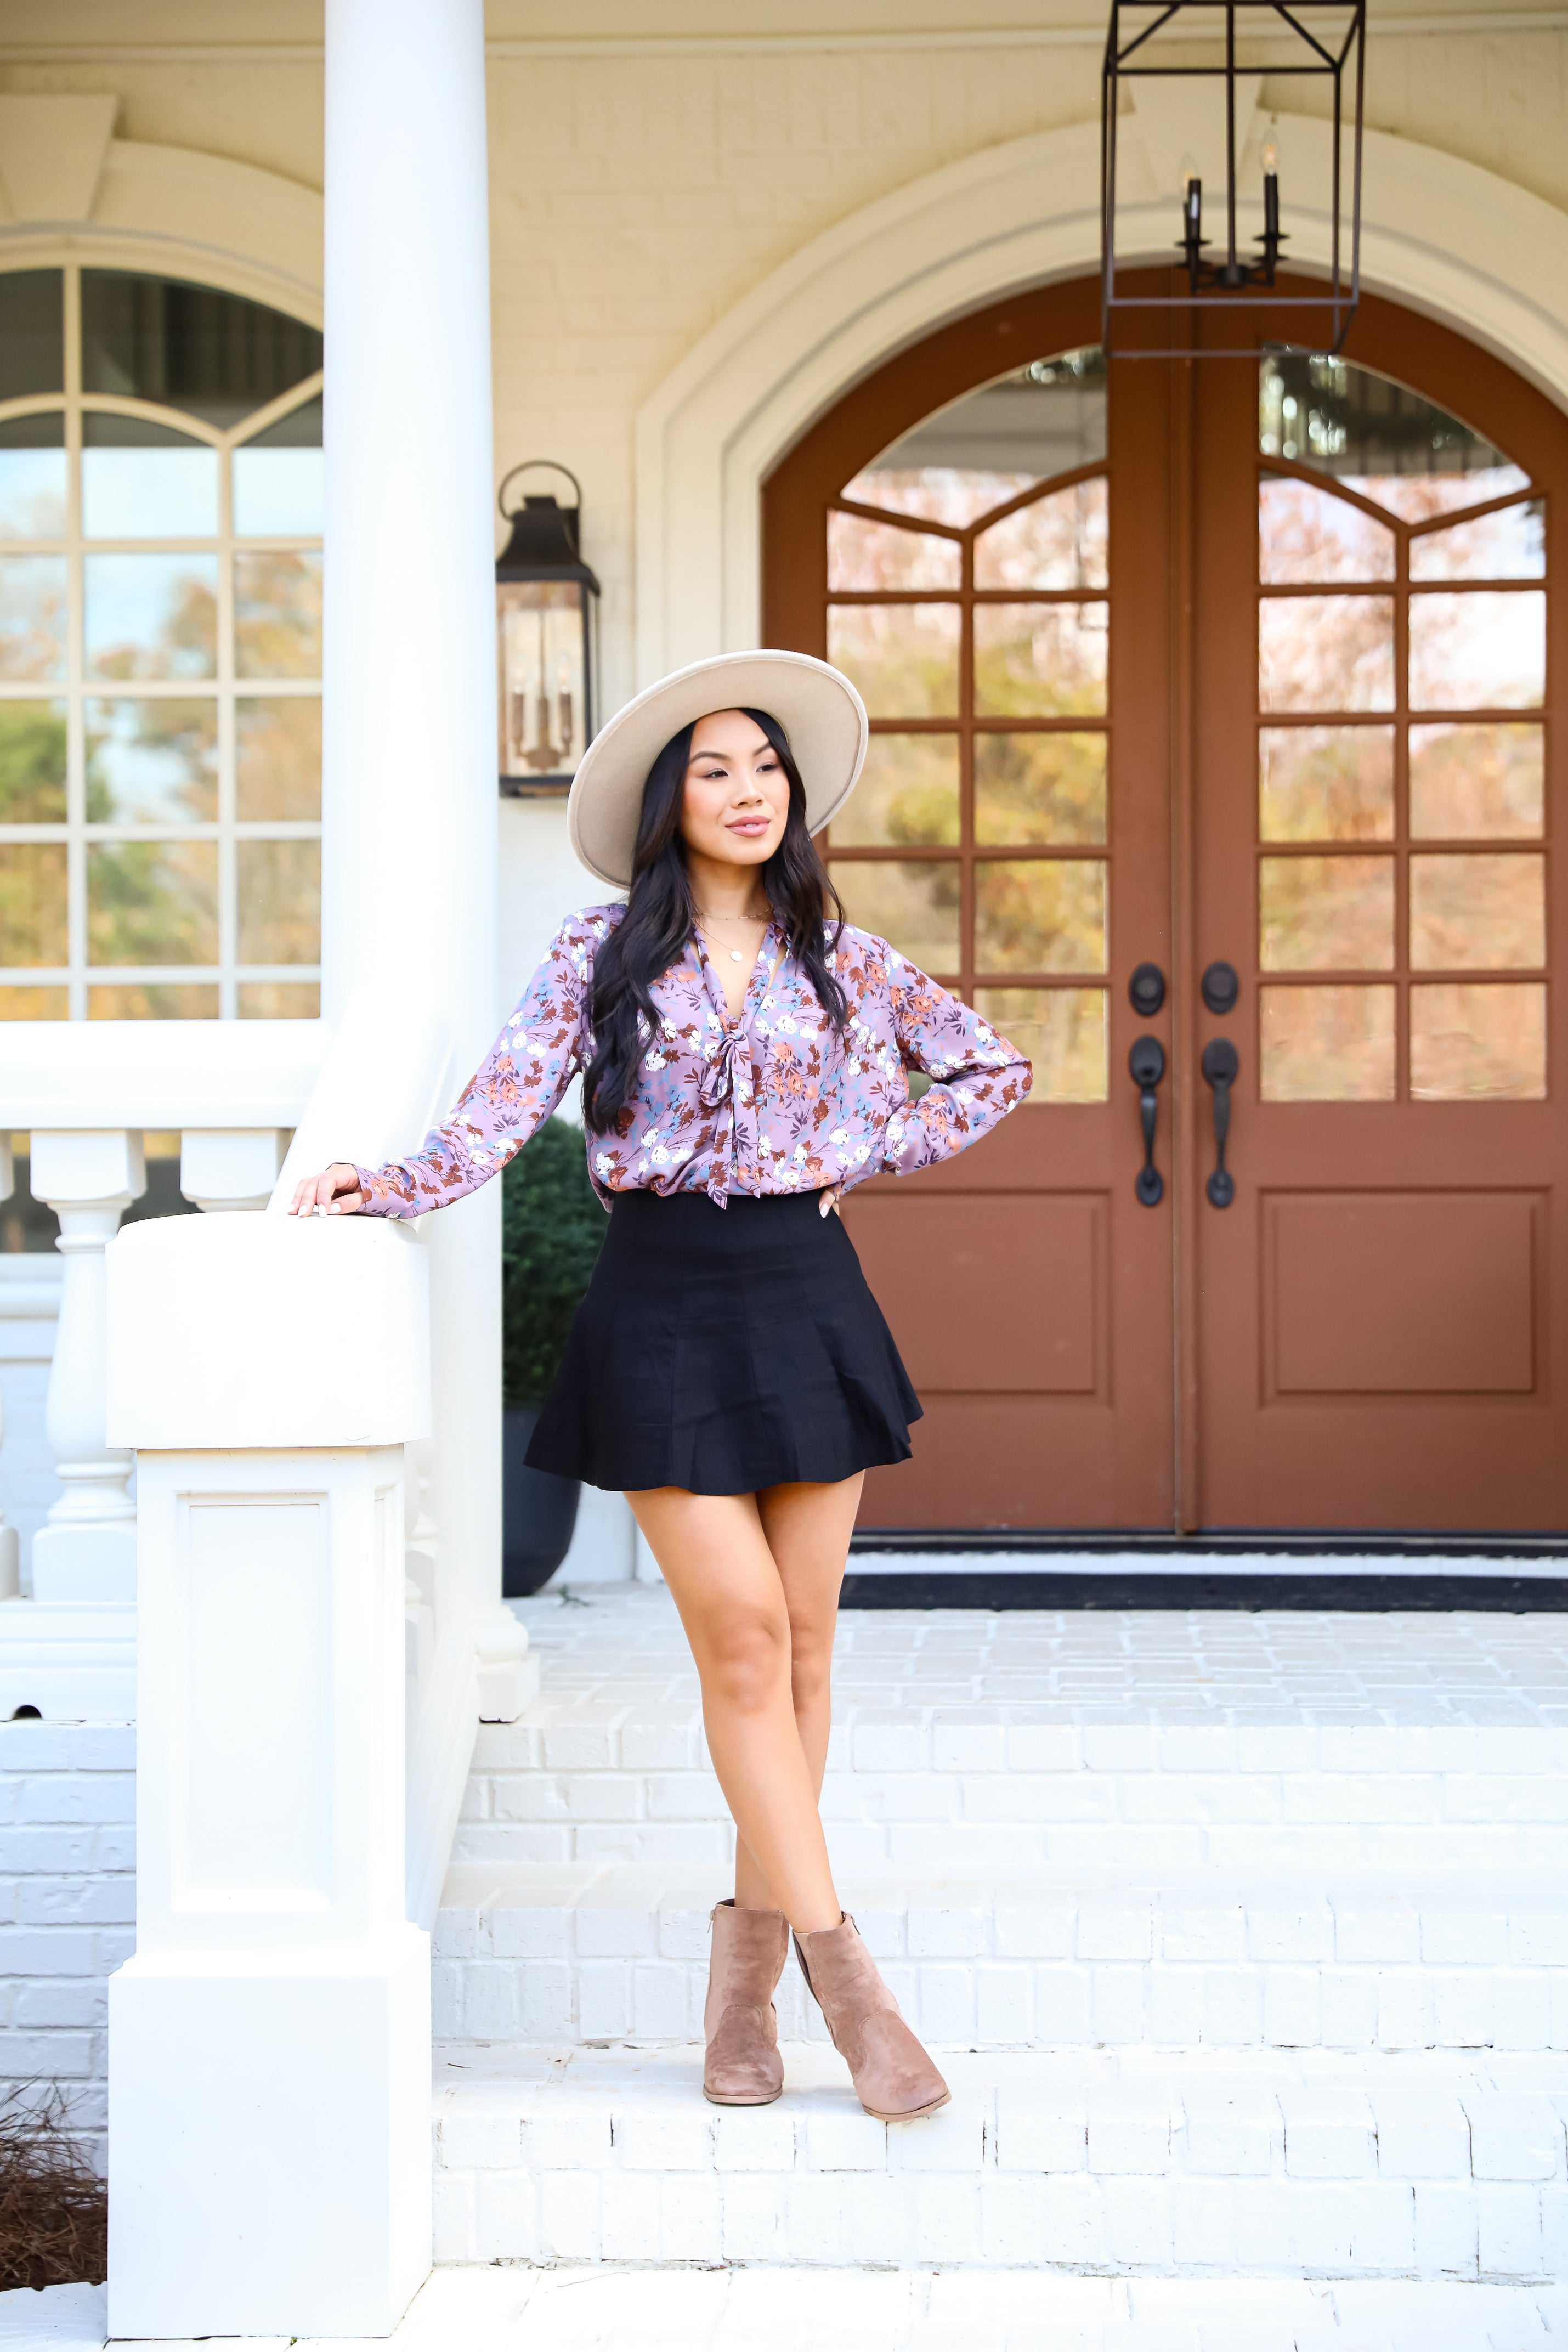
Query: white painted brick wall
pixel 68 1884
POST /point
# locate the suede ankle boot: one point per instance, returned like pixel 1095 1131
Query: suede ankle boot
pixel 893 2078
pixel 743 2068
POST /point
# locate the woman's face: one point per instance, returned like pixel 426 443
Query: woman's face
pixel 736 794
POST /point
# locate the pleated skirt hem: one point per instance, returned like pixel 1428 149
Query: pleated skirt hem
pixel 725 1351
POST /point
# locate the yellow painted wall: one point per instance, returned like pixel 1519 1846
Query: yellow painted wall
pixel 651 160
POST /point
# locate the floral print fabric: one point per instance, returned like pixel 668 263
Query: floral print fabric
pixel 772 1101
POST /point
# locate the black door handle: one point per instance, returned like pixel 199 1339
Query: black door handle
pixel 1220 1065
pixel 1147 1064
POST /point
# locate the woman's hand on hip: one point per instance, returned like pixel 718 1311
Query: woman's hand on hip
pixel 335 1192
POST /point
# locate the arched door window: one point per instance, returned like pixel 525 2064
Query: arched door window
pixel 1402 808
pixel 161 481
pixel 968 584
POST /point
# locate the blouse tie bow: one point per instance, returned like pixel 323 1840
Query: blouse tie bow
pixel 717 1085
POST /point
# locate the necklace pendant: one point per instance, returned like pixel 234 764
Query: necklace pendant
pixel 734 955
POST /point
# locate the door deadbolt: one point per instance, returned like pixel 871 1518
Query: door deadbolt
pixel 1147 990
pixel 1219 987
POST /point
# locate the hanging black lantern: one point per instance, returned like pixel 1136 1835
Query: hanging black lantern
pixel 1326 40
pixel 547 649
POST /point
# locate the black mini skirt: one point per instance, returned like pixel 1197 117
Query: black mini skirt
pixel 724 1350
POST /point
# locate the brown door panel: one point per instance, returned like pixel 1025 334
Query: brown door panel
pixel 1390 1294
pixel 1000 1462
pixel 1389 1464
pixel 931 1265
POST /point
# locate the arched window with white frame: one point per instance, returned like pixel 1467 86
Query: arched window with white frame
pixel 161 490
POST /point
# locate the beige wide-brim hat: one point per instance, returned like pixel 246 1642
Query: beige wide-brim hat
pixel 815 704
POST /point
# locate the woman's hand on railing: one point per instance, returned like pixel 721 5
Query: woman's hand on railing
pixel 335 1192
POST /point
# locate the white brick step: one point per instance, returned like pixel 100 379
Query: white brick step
pixel 1185 2165
pixel 1005 1786
pixel 583 1952
pixel 768 2308
pixel 1143 1742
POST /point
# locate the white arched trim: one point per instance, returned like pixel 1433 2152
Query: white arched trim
pixel 179 213
pixel 1439 234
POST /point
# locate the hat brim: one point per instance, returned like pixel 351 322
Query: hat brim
pixel 815 704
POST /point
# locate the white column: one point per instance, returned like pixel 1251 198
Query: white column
pixel 409 805
pixel 269 2042
pixel 230 1167
pixel 87 1553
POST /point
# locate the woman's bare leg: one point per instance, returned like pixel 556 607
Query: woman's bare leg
pixel 807 1529
pixel 730 1592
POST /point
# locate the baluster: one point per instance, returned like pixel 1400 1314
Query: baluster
pixel 230 1167
pixel 87 1552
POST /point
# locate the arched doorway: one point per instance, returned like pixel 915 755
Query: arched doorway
pixel 1193 664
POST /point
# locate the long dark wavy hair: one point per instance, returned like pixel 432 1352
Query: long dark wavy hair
pixel 660 916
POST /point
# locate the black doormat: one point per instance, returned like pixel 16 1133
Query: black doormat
pixel 1192 1587
pixel 1219 1543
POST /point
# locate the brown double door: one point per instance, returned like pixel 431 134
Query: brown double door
pixel 1238 670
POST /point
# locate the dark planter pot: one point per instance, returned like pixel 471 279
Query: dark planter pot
pixel 539 1511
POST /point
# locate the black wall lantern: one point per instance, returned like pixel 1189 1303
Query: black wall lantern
pixel 546 640
pixel 1197 40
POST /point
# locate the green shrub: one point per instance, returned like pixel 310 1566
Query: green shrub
pixel 552 1228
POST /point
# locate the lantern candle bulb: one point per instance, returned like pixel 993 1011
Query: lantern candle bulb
pixel 1271 188
pixel 1192 237
pixel 1272 237
pixel 1191 199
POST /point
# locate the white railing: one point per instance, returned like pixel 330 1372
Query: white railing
pixel 67 1647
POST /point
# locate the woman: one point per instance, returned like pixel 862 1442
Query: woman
pixel 744 1062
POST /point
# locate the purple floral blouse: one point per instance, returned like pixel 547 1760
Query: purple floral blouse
pixel 770 1102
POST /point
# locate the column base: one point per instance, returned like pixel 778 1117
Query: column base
pixel 74 1664
pixel 508 1676
pixel 269 2140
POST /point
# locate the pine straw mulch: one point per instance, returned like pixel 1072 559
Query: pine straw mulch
pixel 54 2209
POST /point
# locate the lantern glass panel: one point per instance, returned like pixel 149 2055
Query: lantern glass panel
pixel 542 628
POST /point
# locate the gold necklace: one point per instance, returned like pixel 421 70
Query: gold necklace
pixel 736 955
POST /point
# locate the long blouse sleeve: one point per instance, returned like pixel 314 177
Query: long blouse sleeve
pixel 520 1081
pixel 977 1077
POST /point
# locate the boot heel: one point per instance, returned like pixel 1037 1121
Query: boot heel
pixel 893 2077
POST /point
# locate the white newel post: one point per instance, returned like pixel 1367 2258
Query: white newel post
pixel 269 2043
pixel 87 1553
pixel 410 854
